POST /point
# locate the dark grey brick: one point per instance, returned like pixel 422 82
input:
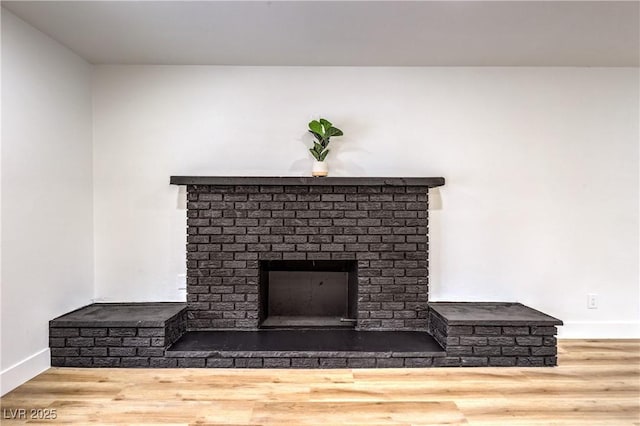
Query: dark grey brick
pixel 209 230
pixel 502 361
pixel 474 361
pixel 543 331
pixel 333 362
pixel 305 362
pixel 529 341
pixel 277 362
pixel 93 332
pixel 62 352
pixel 64 332
pixel 151 352
pixel 136 341
pixel 248 362
pixel 446 362
pixel 134 362
pixel 122 332
pixel 473 340
pixel 333 197
pixel 108 341
pixel 452 340
pixel 361 362
pixel 151 332
pixel 390 362
pixel 191 362
pixel 283 213
pixel 381 230
pixel 353 214
pixel 392 324
pixel 209 197
pixel 195 205
pixel 220 362
pixel 460 330
pixel 78 362
pixel 106 362
pixel 544 351
pixel 486 350
pixel 308 214
pixel 56 342
pixel 332 247
pixel 163 362
pixel 501 341
pixel 122 352
pixel 418 362
pixel 296 239
pixel 80 341
pixel 381 314
pixel 486 331
pixel 530 361
pixel 94 351
pixel 515 350
pixel 515 331
pixel 460 350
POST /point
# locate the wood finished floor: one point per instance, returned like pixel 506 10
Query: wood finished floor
pixel 597 383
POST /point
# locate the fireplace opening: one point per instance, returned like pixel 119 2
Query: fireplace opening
pixel 308 293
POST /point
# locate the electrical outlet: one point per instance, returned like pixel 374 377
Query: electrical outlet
pixel 592 301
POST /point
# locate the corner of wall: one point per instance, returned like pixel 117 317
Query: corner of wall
pixel 59 130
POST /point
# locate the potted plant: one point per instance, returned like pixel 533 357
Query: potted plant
pixel 322 130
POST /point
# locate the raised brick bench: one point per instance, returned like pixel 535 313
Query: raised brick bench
pixel 479 334
pixel 154 335
pixel 116 335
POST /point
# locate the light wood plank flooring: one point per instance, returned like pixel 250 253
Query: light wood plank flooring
pixel 597 383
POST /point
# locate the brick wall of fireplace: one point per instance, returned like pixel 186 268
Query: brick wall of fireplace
pixel 233 228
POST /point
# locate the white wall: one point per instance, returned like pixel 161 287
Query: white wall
pixel 541 200
pixel 47 232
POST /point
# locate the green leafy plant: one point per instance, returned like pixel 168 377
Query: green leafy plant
pixel 322 130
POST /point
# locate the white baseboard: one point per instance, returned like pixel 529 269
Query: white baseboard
pixel 599 330
pixel 24 370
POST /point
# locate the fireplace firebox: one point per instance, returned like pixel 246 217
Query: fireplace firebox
pixel 308 293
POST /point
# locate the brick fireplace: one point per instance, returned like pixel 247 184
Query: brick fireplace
pixel 240 228
pixel 288 272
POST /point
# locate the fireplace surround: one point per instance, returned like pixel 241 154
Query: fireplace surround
pixel 378 225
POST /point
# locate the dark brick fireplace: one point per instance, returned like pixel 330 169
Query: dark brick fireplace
pixel 305 273
pixel 236 226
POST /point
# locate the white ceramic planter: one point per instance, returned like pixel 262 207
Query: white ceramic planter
pixel 320 169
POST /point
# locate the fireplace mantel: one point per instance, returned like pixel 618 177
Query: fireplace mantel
pixel 430 182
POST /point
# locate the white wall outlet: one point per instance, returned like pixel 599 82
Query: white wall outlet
pixel 592 301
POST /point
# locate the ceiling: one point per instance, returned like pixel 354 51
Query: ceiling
pixel 349 33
